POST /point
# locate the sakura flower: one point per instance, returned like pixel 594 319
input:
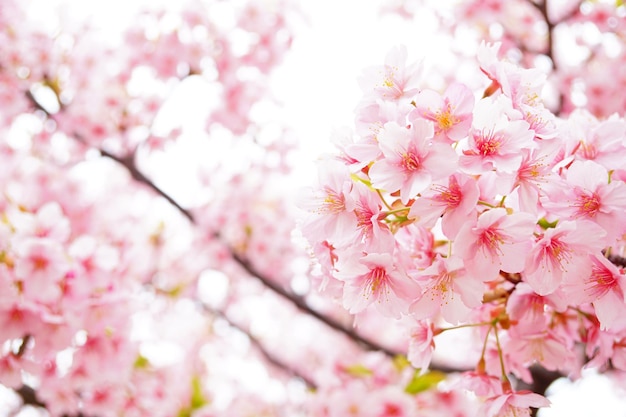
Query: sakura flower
pixel 375 279
pixel 391 401
pixel 355 153
pixel 41 266
pixel 513 404
pixel 531 312
pixel 418 243
pixel 496 138
pixel 604 287
pixel 602 141
pixel 546 348
pixel 450 113
pixel 421 344
pixel 330 207
pixel 481 383
pixel 370 228
pixel 533 173
pixel 411 159
pixel 588 194
pixel 456 202
pixel 448 290
pixel 49 222
pixel 498 241
pixel 562 252
pixel 395 79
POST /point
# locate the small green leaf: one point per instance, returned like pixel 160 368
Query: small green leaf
pixel 356 178
pixel 197 397
pixel 545 225
pixel 141 362
pixel 198 400
pixel 421 383
pixel 358 370
pixel 400 362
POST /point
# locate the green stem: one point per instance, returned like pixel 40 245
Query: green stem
pixel 463 326
pixel 387 213
pixel 505 378
pixel 383 200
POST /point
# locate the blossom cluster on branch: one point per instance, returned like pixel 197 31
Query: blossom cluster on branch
pixel 468 209
pixel 485 210
pixel 579 44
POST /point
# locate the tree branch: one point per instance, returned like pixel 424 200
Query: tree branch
pixel 259 346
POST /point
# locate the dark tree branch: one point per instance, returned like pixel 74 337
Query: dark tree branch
pixel 29 396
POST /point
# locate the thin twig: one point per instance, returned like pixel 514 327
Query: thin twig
pixel 259 346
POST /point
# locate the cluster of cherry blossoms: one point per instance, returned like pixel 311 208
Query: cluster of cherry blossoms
pixel 455 209
pixel 578 43
pixel 103 276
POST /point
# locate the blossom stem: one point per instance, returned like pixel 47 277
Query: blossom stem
pixel 400 210
pixel 481 362
pixel 383 200
pixel 463 326
pixel 505 378
pixel 484 203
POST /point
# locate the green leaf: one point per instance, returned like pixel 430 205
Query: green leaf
pixel 359 370
pixel 545 225
pixel 356 178
pixel 197 397
pixel 141 362
pixel 198 400
pixel 421 383
pixel 400 362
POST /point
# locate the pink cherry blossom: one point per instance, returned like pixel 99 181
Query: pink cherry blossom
pixel 331 206
pixel 560 253
pixel 498 241
pixel 495 140
pixel 588 194
pixel 449 291
pixel 513 404
pixel 605 287
pixel 411 159
pixel 455 203
pixel 451 113
pixel 370 226
pixel 421 344
pixel 394 80
pixel 535 172
pixel 41 267
pixel 375 279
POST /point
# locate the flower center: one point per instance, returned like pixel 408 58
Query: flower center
pixel 410 161
pixel 588 205
pixel 488 144
pixel 377 277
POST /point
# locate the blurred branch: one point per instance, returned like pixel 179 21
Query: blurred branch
pixel 129 163
pixel 260 348
pixel 29 396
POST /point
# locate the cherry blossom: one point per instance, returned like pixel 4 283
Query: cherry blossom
pixel 375 279
pixel 498 241
pixel 513 404
pixel 558 255
pixel 474 203
pixel 411 159
pixel 455 203
pixel 451 113
pixel 448 290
